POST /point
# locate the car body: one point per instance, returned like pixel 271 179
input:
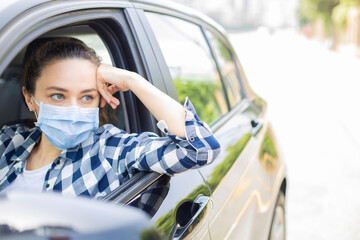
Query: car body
pixel 183 53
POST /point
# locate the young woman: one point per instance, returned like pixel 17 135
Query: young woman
pixel 64 84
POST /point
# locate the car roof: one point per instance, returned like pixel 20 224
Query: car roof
pixel 181 9
pixel 10 9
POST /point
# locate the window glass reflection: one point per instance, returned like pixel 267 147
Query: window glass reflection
pixel 227 68
pixel 191 65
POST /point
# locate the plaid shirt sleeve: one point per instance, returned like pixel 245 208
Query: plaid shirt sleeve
pixel 170 154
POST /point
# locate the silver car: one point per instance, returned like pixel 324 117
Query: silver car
pixel 241 195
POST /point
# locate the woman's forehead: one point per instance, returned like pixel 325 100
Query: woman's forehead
pixel 72 74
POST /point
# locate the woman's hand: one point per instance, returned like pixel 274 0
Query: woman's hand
pixel 159 104
pixel 118 79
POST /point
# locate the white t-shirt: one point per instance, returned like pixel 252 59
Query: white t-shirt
pixel 29 180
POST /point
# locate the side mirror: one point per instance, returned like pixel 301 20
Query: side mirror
pixel 50 215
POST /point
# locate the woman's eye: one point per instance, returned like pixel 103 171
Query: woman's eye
pixel 87 98
pixel 57 97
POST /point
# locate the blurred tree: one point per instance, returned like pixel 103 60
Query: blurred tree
pixel 332 16
pixel 340 12
pixel 312 10
pixel 202 93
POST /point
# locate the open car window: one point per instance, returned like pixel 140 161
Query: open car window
pixel 145 191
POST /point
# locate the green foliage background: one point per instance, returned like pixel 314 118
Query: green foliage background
pixel 329 11
pixel 311 10
pixel 340 12
pixel 201 93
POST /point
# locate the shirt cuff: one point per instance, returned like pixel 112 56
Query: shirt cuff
pixel 196 131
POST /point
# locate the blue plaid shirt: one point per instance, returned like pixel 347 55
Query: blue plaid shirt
pixel 110 155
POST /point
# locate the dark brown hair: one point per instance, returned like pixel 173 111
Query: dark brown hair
pixel 41 52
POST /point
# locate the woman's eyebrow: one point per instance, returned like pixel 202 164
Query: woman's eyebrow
pixel 57 89
pixel 65 90
pixel 89 90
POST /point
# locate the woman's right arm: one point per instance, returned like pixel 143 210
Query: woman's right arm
pixel 158 103
pixel 171 154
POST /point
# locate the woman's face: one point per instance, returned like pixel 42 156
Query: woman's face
pixel 67 82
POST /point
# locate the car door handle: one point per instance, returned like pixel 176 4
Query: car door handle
pixel 256 126
pixel 187 213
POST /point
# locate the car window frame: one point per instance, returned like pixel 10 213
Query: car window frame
pixel 59 21
pixel 26 25
pixel 233 56
pixel 188 14
pixel 211 59
pixel 161 60
pixel 132 187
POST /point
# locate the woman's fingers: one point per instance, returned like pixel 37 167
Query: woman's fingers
pixel 104 93
pixel 103 103
pixel 113 89
pixel 107 95
pixel 113 105
pixel 114 101
pixel 105 74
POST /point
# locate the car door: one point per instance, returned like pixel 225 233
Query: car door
pixel 202 65
pixel 194 72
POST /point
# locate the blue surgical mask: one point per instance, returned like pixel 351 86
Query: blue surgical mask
pixel 66 127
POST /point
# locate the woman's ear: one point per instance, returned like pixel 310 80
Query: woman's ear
pixel 28 100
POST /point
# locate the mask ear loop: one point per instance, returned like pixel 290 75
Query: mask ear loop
pixel 35 114
pixel 37 104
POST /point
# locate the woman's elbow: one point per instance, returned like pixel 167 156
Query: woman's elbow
pixel 209 153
